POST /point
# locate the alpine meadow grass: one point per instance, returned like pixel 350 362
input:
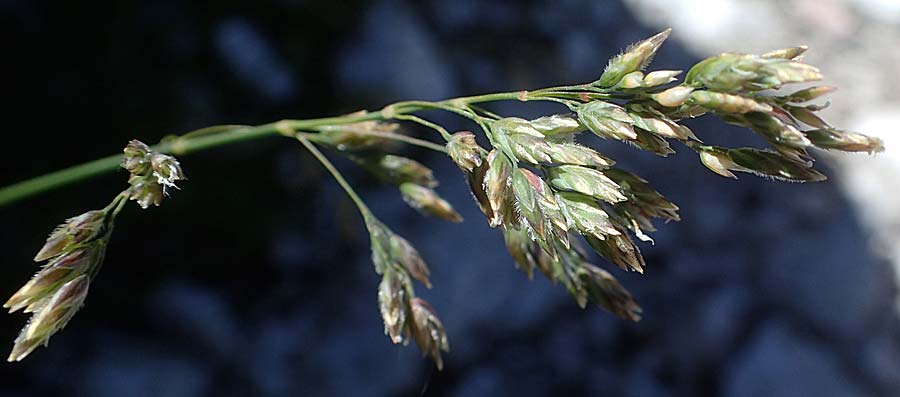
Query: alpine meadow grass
pixel 548 194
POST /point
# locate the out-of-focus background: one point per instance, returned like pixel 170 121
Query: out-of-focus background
pixel 255 280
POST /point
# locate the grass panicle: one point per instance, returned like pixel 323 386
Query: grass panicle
pixel 548 193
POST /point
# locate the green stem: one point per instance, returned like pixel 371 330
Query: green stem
pixel 34 186
pixel 219 136
pixel 363 209
pixel 112 211
pixel 488 113
pixel 416 119
pixel 115 205
pixel 389 135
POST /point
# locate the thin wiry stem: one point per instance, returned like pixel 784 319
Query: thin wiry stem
pixel 215 129
pixel 123 199
pixel 363 209
pixel 448 105
pixel 117 203
pixel 392 136
pixel 212 137
pixel 479 109
pixel 426 123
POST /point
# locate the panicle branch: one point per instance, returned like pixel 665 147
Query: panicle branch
pixel 75 250
pixel 548 194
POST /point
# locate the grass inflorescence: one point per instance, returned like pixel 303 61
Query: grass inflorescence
pixel 550 196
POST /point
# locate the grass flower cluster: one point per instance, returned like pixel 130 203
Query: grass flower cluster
pixel 550 196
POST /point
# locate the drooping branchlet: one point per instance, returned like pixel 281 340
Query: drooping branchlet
pixel 428 202
pixel 760 162
pixel 404 315
pixel 74 251
pixel 358 137
pixel 51 317
pixel 75 231
pixel 397 170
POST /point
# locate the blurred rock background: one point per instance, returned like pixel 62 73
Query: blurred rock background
pixel 855 43
pixel 255 279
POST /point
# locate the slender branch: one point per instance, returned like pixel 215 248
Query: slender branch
pixel 426 123
pixel 393 136
pixel 457 106
pixel 215 129
pixel 212 137
pixel 363 209
pixel 479 109
pixel 116 204
pixel 34 186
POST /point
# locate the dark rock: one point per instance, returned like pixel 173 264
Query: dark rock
pixel 200 315
pixel 254 61
pixel 642 379
pixel 482 381
pixel 395 56
pixel 710 331
pixel 126 371
pixel 880 359
pixel 840 290
pixel 778 362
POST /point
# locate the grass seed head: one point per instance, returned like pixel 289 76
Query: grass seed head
pixel 847 141
pixel 428 202
pixel 808 94
pixel 587 181
pixel 606 120
pixel 660 77
pixel 496 186
pixel 673 97
pixel 465 151
pixel 619 250
pixel 604 290
pixel 428 331
pixel 557 125
pixel 405 255
pixel 393 302
pixel 398 169
pixel 575 154
pixel 76 230
pixel 730 73
pixel 634 58
pixel 728 103
pixel 51 317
